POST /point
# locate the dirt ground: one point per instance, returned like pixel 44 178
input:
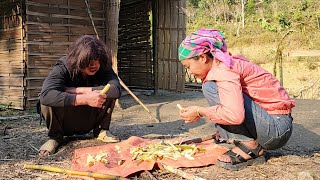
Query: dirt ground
pixel 21 137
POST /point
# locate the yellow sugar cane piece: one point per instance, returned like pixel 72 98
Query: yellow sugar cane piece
pixel 71 172
pixel 105 89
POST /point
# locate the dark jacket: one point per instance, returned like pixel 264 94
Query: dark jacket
pixel 53 89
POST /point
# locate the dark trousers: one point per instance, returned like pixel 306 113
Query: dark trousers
pixel 68 121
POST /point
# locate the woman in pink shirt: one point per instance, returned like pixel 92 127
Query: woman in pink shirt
pixel 248 104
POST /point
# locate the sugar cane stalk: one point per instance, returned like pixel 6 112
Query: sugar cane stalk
pixel 71 172
pixel 181 173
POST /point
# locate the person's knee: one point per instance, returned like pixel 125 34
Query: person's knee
pixel 45 110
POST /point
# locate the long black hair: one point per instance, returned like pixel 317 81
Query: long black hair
pixel 86 49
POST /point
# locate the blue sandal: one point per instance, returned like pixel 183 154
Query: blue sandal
pixel 238 162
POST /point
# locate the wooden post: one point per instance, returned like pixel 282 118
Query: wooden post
pixel 112 21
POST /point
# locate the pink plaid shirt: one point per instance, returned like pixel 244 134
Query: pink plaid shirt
pixel 251 79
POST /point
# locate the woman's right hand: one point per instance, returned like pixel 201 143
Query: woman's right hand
pixel 189 114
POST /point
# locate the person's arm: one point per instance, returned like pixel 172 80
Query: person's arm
pixel 53 89
pixel 78 90
pixel 231 108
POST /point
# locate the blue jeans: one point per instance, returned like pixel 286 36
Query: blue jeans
pixel 271 131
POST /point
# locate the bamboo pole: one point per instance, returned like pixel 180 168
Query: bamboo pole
pixel 121 82
pixel 137 99
pixel 71 172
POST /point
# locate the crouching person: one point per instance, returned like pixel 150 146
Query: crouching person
pixel 71 102
pixel 248 105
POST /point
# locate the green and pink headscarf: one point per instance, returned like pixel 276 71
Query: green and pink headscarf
pixel 203 41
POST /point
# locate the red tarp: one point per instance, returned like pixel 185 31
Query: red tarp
pixel 131 166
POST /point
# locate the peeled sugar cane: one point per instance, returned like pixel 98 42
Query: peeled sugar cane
pixel 165 150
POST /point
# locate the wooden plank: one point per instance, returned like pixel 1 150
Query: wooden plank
pixel 11 34
pixel 31 103
pixel 49 37
pixel 45 55
pixel 65 10
pixel 63 15
pixel 35 83
pixel 173 76
pixel 11 91
pixel 10 41
pixel 10 47
pixel 11 55
pixel 44 25
pixel 96 4
pixel 11 81
pixel 48 49
pixel 8 22
pixel 13 103
pixel 37 72
pixel 3 29
pixel 33 93
pixel 45 10
pixel 41 62
pixel 11 70
pixel 10 64
pixel 56 2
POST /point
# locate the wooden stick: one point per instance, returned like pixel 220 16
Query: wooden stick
pixel 137 99
pixel 71 172
pixel 179 106
pixel 181 173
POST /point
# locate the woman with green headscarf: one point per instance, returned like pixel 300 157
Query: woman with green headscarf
pixel 248 105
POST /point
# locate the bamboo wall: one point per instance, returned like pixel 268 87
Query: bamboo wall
pixel 51 26
pixel 171 29
pixel 135 62
pixel 11 55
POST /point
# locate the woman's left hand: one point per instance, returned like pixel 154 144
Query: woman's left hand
pixel 189 114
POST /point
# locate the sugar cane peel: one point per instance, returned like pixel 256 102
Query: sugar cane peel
pixel 165 150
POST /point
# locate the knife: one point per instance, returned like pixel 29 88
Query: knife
pixel 198 140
